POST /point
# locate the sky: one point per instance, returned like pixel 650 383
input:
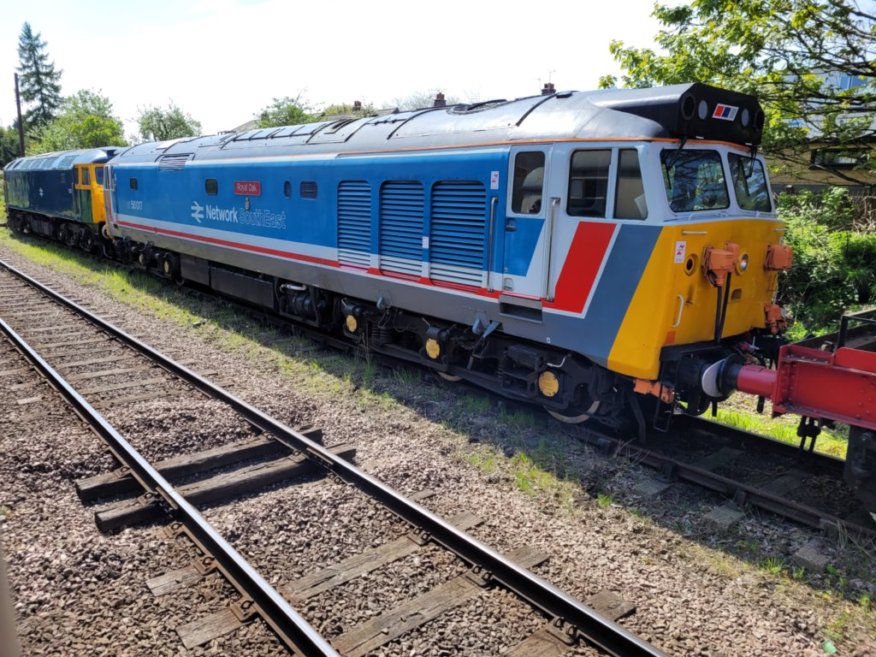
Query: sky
pixel 222 61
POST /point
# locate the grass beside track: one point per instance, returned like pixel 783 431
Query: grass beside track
pixel 830 441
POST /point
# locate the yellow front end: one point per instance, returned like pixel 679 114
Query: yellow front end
pixel 89 188
pixel 676 301
pixel 98 208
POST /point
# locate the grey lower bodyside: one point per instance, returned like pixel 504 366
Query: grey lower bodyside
pixel 559 331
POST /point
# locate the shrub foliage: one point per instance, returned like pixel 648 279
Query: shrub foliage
pixel 834 259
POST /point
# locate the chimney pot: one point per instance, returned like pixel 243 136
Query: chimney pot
pixel 439 100
pixel 548 89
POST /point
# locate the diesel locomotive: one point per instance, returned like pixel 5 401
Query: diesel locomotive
pixel 583 251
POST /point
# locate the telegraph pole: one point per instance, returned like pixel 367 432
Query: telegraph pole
pixel 20 120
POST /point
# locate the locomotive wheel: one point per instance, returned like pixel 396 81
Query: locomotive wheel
pixel 87 242
pixel 573 419
pixel 168 265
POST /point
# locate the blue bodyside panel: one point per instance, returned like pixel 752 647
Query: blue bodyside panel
pixel 43 192
pixel 175 195
pixel 55 193
pixel 520 243
pixel 620 278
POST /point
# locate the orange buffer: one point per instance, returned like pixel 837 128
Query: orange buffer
pixel 838 385
pixel 717 263
pixel 779 257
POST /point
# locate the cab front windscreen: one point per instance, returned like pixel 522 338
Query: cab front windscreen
pixel 694 180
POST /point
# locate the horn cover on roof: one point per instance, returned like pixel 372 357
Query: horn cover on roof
pixel 693 111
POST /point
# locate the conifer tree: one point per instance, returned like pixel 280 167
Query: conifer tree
pixel 40 82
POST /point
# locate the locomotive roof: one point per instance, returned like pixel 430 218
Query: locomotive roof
pixel 679 111
pixel 62 160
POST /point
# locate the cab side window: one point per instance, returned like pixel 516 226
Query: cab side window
pixel 86 176
pixel 98 175
pixel 588 183
pixel 528 182
pixel 629 200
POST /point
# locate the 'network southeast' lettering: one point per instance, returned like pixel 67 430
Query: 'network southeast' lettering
pixel 222 214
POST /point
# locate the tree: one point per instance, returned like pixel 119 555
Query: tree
pixel 422 100
pixel 344 110
pixel 285 111
pixel 810 62
pixel 159 124
pixel 8 145
pixel 834 259
pixel 40 83
pixel 86 121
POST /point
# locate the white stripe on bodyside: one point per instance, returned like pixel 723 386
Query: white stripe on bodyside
pixel 302 248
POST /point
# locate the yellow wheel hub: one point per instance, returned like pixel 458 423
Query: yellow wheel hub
pixel 548 383
pixel 433 348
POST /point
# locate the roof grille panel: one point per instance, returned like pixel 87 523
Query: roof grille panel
pixel 174 162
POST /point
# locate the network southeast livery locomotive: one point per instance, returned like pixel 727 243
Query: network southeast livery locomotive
pixel 580 250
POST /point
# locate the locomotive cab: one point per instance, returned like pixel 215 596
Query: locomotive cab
pixel 89 193
pixel 706 224
pixel 717 270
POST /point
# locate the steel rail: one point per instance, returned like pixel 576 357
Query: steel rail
pixel 741 492
pixel 745 493
pixel 593 627
pixel 290 627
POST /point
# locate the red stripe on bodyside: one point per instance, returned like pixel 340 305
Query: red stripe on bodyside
pixel 471 289
pixel 588 249
pixel 235 245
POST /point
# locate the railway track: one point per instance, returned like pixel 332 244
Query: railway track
pixel 106 368
pixel 747 469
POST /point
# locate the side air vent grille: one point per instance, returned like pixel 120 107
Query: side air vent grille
pixel 354 223
pixel 458 232
pixel 401 227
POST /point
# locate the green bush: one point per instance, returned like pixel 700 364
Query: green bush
pixel 834 262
